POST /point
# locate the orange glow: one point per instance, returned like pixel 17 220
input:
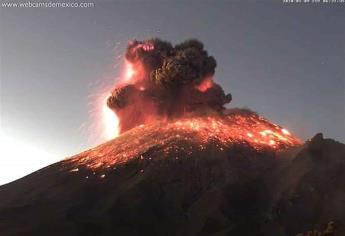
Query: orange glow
pixel 205 84
pixel 188 135
pixel 286 132
pixel 103 123
pixel 110 122
pixel 251 129
pixel 130 72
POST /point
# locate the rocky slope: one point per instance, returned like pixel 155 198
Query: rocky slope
pixel 164 183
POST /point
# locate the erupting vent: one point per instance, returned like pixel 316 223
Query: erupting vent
pixel 167 103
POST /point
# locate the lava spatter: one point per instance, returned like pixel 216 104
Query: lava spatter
pixel 187 135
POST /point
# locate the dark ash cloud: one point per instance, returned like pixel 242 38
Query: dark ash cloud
pixel 169 82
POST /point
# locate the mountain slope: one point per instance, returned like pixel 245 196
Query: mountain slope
pixel 159 180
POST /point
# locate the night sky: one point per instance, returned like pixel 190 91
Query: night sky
pixel 285 61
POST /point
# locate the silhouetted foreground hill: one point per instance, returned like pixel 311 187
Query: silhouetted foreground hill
pixel 212 190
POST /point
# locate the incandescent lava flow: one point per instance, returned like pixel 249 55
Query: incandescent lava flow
pixel 188 136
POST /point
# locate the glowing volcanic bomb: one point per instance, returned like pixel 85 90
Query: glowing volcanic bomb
pixel 170 89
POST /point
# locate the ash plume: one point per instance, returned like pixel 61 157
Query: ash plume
pixel 166 81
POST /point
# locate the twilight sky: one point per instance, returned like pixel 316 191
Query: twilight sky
pixel 285 61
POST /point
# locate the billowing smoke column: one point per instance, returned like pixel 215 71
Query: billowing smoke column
pixel 165 81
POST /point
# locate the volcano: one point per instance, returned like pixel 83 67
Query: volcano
pixel 236 174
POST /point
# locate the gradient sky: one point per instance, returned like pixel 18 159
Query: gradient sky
pixel 285 61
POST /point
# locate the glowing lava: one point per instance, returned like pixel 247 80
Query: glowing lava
pixel 251 129
pixel 186 136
